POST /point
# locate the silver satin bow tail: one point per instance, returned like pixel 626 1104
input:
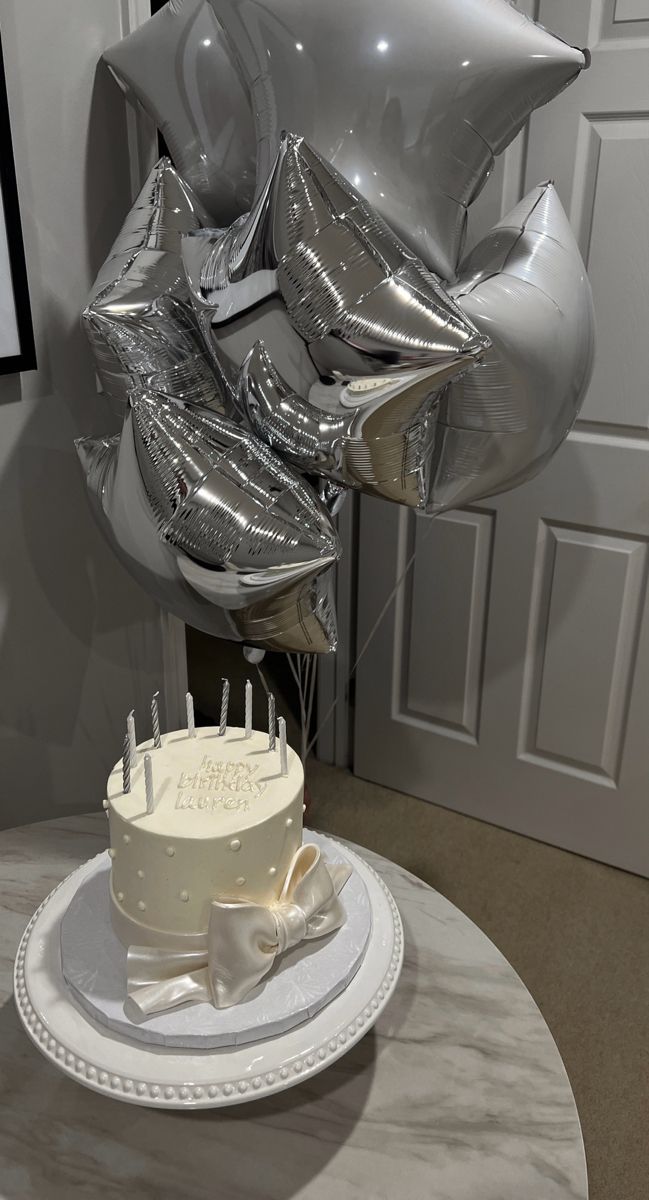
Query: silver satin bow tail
pixel 243 941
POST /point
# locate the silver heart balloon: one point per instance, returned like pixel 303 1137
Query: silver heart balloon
pixel 214 525
pixel 178 66
pixel 411 102
pixel 139 318
pixel 525 285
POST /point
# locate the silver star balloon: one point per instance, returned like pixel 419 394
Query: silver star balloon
pixel 178 67
pixel 355 296
pixel 214 525
pixel 526 286
pixel 411 102
pixel 319 320
pixel 349 319
pixel 376 434
pixel 139 318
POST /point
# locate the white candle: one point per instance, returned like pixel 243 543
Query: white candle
pixel 248 708
pixel 225 699
pixel 148 783
pixel 132 741
pixel 283 758
pixel 191 723
pixel 272 723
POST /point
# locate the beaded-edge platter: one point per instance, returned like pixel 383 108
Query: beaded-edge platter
pixel 163 1078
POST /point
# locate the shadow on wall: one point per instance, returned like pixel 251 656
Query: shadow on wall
pixel 74 629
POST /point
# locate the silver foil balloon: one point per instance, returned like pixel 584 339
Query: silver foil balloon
pixel 139 317
pixel 178 67
pixel 215 526
pixel 525 285
pixel 376 434
pixel 409 101
pixel 354 336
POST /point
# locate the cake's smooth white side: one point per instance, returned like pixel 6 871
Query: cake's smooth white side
pixel 226 824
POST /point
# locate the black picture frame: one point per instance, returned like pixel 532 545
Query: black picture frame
pixel 25 359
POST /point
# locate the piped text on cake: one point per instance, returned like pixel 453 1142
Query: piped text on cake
pixel 219 784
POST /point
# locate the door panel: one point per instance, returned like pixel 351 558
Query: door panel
pixel 511 678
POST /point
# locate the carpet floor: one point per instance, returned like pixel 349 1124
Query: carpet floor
pixel 577 933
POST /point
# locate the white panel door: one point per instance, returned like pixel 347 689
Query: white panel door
pixel 511 679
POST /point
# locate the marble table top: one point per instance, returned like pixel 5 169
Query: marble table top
pixel 459 1093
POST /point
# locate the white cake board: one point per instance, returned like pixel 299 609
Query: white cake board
pixel 158 1077
pixel 301 982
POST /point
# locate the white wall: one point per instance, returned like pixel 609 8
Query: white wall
pixel 79 642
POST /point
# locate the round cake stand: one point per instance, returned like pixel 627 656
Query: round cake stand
pixel 157 1077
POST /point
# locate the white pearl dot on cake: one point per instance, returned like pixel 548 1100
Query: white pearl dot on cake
pixel 140 873
pixel 170 851
pixel 141 905
pixel 289 822
pixel 304 808
pixel 105 803
pixel 111 853
pixel 127 837
pixel 184 896
pixel 120 896
pixel 235 844
pixel 240 881
pixel 273 871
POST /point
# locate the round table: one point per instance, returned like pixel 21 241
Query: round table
pixel 458 1093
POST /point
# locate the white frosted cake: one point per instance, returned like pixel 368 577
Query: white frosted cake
pixel 209 878
pixel 225 823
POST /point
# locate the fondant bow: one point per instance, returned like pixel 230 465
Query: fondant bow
pixel 243 941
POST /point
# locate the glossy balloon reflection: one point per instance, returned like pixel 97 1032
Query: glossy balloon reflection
pixel 139 318
pixel 178 67
pixel 215 526
pixel 409 101
pixel 526 286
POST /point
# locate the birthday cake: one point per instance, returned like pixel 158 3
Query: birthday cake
pixel 209 877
